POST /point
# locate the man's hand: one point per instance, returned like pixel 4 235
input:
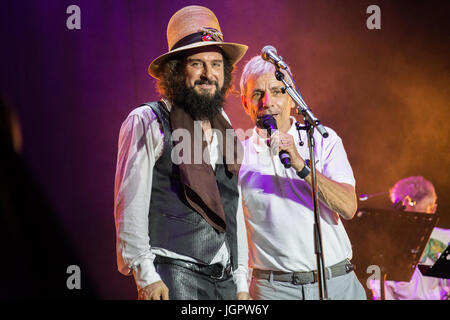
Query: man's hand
pixel 243 296
pixel 286 142
pixel 154 291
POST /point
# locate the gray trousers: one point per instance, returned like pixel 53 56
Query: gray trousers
pixel 185 284
pixel 345 287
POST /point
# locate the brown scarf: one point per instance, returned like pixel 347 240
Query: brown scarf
pixel 199 180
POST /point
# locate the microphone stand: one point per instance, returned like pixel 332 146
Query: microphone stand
pixel 302 108
pixel 311 122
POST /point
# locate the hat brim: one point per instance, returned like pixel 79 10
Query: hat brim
pixel 233 51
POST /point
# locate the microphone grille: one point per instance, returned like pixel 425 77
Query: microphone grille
pixel 268 122
pixel 363 197
pixel 266 49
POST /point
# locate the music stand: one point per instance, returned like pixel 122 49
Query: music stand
pixel 390 239
pixel 440 269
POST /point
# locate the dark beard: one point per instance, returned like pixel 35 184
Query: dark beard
pixel 199 106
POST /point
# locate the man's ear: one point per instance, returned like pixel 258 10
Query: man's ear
pixel 245 105
pixel 293 106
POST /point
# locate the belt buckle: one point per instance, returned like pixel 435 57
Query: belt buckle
pixel 349 268
pixel 295 278
pixel 221 276
pixel 316 276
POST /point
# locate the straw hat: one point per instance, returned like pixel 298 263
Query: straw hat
pixel 193 27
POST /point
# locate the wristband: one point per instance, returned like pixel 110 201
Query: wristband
pixel 304 172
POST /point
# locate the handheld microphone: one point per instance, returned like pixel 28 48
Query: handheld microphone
pixel 270 124
pixel 269 54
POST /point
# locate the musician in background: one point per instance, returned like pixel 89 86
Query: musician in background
pixel 416 194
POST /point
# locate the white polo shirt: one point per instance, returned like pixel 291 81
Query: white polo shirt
pixel 278 205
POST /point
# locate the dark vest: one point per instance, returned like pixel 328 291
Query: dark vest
pixel 173 223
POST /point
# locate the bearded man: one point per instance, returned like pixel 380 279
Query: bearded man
pixel 179 221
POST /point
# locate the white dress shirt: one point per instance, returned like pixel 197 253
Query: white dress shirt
pixel 278 205
pixel 140 146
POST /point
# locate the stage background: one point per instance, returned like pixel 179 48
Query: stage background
pixel 386 93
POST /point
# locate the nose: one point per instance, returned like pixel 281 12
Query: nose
pixel 207 71
pixel 266 100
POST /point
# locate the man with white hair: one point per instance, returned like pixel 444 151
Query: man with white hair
pixel 278 204
pixel 416 194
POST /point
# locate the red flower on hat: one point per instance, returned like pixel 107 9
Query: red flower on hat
pixel 207 38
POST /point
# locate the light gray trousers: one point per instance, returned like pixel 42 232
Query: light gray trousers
pixel 345 287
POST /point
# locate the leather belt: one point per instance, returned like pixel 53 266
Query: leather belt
pixel 305 277
pixel 215 271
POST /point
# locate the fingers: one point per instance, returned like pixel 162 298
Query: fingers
pixel 243 296
pixel 165 294
pixel 280 139
pixel 154 291
pixel 156 296
pixel 142 295
pixel 285 141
